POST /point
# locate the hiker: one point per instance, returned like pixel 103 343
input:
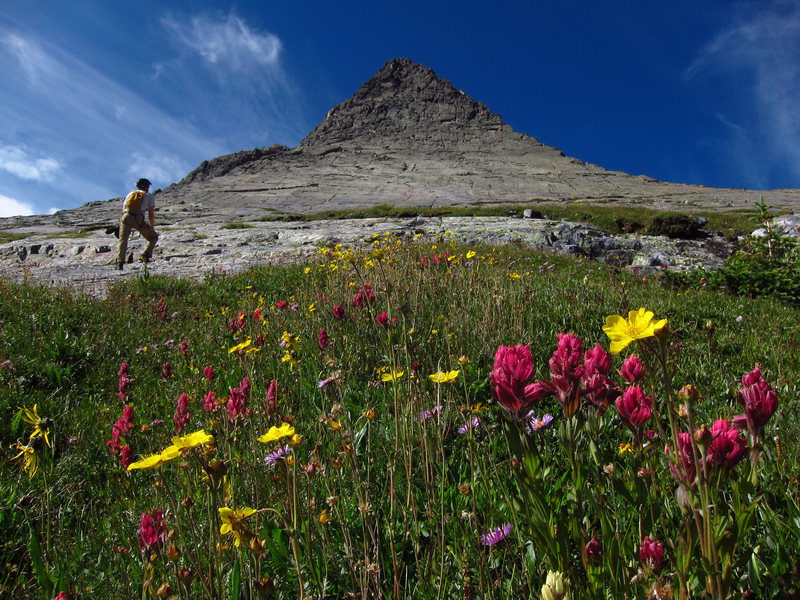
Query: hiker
pixel 133 217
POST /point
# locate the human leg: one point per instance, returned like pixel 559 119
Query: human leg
pixel 151 236
pixel 122 245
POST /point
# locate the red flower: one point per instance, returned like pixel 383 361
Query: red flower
pixel 566 372
pixel 237 404
pixel 151 530
pixel 383 319
pixel 727 447
pixel 281 304
pixel 181 416
pixel 513 370
pixel 184 347
pixel 245 386
pixel 272 397
pixel 685 470
pixel 651 554
pixel 208 373
pixel 166 372
pixel 759 401
pixel 338 311
pixel 322 339
pixel 210 402
pixel 125 457
pixel 634 407
pixel 632 369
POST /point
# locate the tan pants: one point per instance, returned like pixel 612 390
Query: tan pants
pixel 137 222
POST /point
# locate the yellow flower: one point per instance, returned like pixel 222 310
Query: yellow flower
pixel 41 427
pixel 444 376
pixel 290 340
pixel 230 521
pixel 156 460
pixel 324 517
pixel 470 254
pixel 30 458
pixel 241 346
pixel 393 375
pixel 276 433
pixel 335 425
pixel 307 270
pixel 515 275
pixel 625 448
pixel 192 440
pixel 637 326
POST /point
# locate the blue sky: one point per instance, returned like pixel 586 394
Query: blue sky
pixel 95 94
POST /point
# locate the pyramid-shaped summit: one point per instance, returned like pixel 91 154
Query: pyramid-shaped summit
pixel 405 105
pixel 411 139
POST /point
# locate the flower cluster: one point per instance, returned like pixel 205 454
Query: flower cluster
pixel 121 428
pixel 124 382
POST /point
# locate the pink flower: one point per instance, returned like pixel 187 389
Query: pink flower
pixel 322 339
pixel 181 416
pixel 61 596
pixel 338 311
pixel 684 471
pixel 634 407
pixel 245 386
pixel 566 371
pixel 651 554
pixel 383 319
pixel 124 382
pixel 125 457
pixel 151 531
pixel 728 447
pixel 184 348
pixel 513 370
pixel 208 373
pixel 166 372
pixel 272 397
pixel 594 550
pixel 257 314
pixel 596 361
pixel 210 402
pixel 358 299
pixel 759 401
pixel 237 404
pixel 281 304
pixel 632 369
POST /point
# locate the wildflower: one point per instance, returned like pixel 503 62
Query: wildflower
pixel 593 550
pixel 634 407
pixel 632 369
pixel 166 371
pixel 240 347
pixel 759 401
pixel 281 304
pixel 155 460
pixel 444 376
pixel 565 373
pixel 684 471
pixel 554 588
pixel 338 311
pixel 276 433
pixel 208 373
pixel 322 339
pixel 41 427
pixel 277 454
pixel 231 522
pixel 289 341
pixel 237 404
pixel 184 348
pixel 651 553
pixel 496 536
pixel 369 414
pixel 393 375
pixel 727 447
pixel 470 254
pixel 513 369
pixel 192 440
pixel 210 402
pixel 427 414
pixel 151 532
pixel 272 396
pixel 125 457
pixel 324 517
pixel 637 326
pixel 625 448
pixel 535 423
pixel 474 423
pixel 30 456
pixel 124 382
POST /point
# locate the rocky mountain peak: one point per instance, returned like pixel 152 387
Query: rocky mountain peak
pixel 406 105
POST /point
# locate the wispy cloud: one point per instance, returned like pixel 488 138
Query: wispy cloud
pixel 29 54
pixel 229 43
pixel 11 208
pixel 19 162
pixel 760 54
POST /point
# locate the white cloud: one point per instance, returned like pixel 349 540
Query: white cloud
pixel 29 54
pixel 19 162
pixel 12 208
pixel 157 167
pixel 761 54
pixel 228 43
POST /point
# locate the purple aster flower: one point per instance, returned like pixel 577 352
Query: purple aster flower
pixel 277 454
pixel 427 414
pixel 496 535
pixel 473 425
pixel 535 423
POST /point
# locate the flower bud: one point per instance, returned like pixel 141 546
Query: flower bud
pixel 689 392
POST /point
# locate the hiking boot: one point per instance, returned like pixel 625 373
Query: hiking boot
pixel 144 259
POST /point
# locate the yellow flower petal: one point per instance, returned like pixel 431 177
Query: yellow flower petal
pixel 192 440
pixel 276 433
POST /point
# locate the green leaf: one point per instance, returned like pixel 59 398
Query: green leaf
pixel 37 560
pixel 236 580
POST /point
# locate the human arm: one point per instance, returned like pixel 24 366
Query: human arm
pixel 151 215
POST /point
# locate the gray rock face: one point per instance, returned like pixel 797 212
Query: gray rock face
pixel 406 138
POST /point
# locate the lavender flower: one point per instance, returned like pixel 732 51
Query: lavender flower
pixel 276 455
pixel 496 535
pixel 473 425
pixel 427 414
pixel 535 423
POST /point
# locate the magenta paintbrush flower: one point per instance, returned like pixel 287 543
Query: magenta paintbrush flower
pixel 759 401
pixel 513 370
pixel 634 407
pixel 652 554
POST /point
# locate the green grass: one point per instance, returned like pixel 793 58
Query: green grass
pixel 236 225
pixel 407 496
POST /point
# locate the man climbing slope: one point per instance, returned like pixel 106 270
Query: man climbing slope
pixel 133 218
